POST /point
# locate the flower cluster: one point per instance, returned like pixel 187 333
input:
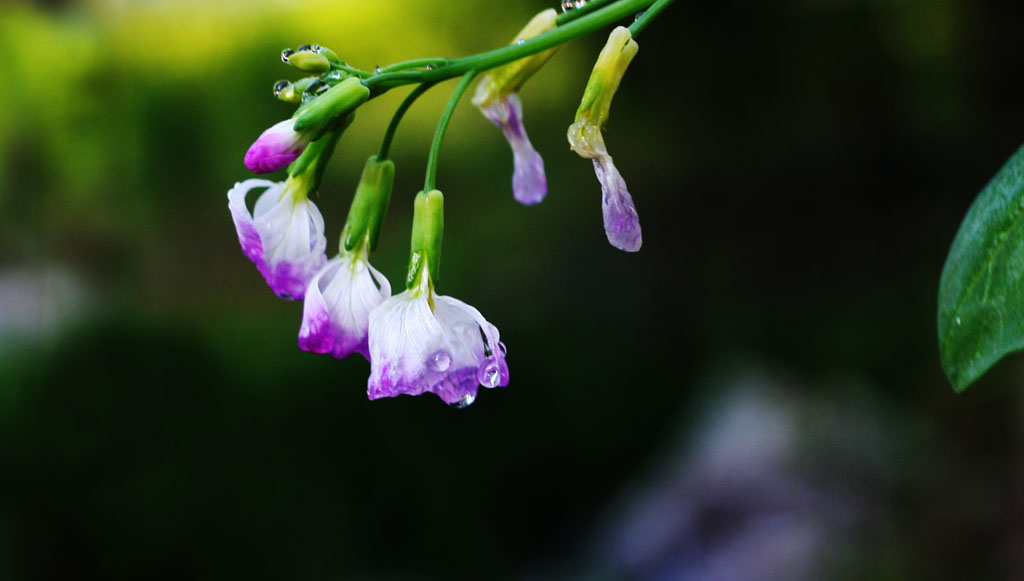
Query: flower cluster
pixel 416 341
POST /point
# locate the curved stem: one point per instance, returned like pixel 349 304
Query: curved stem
pixel 497 57
pixel 442 125
pixel 647 16
pixel 389 134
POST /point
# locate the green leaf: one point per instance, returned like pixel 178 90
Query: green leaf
pixel 981 294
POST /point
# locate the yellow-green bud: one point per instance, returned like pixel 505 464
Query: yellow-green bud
pixel 334 103
pixel 369 204
pixel 310 62
pixel 499 82
pixel 292 92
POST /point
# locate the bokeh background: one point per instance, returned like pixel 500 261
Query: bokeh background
pixel 754 395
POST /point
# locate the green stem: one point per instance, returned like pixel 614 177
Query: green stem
pixel 647 16
pixel 414 64
pixel 352 70
pixel 385 144
pixel 442 125
pixel 569 16
pixel 497 57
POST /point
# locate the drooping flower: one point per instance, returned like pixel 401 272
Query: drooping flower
pixel 498 100
pixel 276 147
pixel 338 303
pixel 621 223
pixel 422 342
pixel 283 235
pixel 340 297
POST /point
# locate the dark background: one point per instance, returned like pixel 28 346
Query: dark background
pixel 756 394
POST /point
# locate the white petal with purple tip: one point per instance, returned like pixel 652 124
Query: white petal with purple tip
pixel 449 350
pixel 283 236
pixel 339 299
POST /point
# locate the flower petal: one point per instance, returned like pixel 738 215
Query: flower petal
pixel 529 184
pixel 276 147
pixel 283 236
pixel 449 351
pixel 248 236
pixel 337 307
pixel 621 223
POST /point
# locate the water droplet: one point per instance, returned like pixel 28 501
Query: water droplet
pixel 568 5
pixel 285 54
pixel 377 70
pixel 306 48
pixel 958 320
pixel 429 67
pixel 317 48
pixel 440 361
pixel 333 76
pixel 580 4
pixel 466 401
pixel 501 346
pixel 489 374
pixel 639 15
pixel 280 86
pixel 520 41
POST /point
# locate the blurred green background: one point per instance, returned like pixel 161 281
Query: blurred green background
pixel 755 395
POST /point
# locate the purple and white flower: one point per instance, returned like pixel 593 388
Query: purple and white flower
pixel 421 342
pixel 339 299
pixel 276 147
pixel 621 222
pixel 283 236
pixel 529 184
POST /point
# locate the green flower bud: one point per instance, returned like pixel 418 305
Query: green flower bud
pixel 332 105
pixel 370 204
pixel 331 55
pixel 427 232
pixel 292 92
pixel 310 62
pixel 499 82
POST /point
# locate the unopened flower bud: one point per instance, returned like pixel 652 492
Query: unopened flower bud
pixel 427 234
pixel 370 204
pixel 310 62
pixel 292 92
pixel 334 103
